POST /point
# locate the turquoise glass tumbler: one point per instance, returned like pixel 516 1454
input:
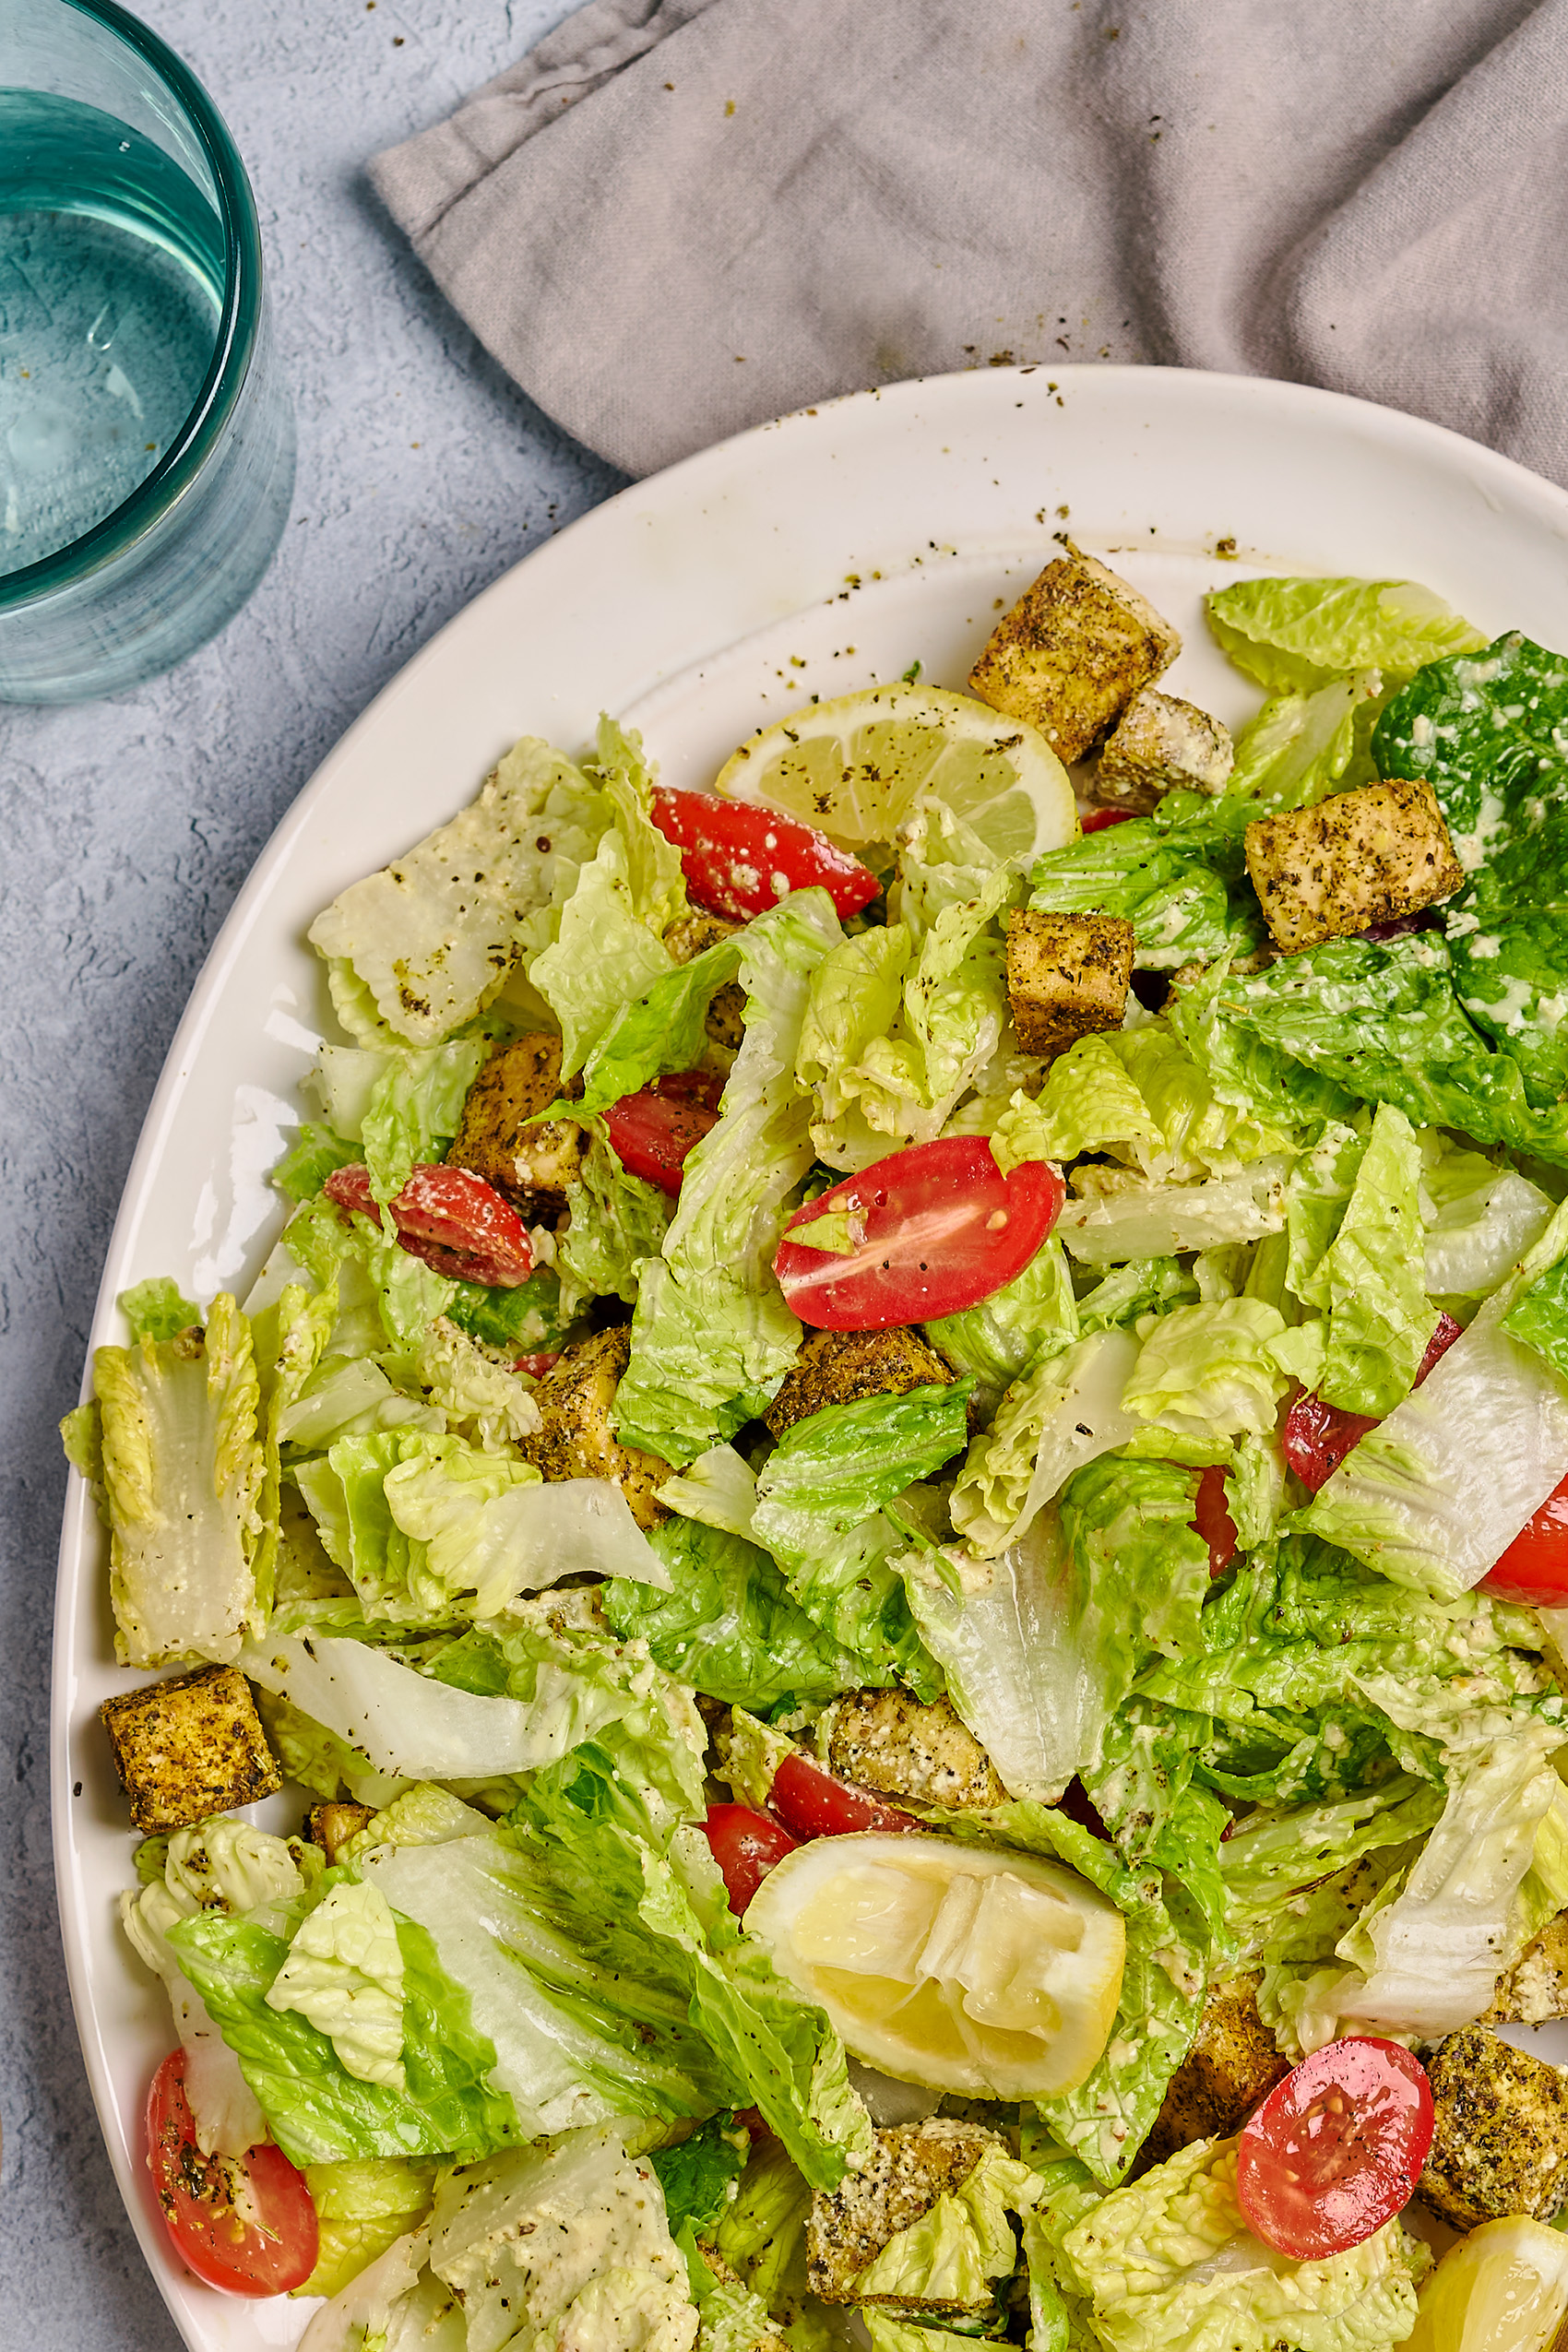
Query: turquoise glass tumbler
pixel 146 444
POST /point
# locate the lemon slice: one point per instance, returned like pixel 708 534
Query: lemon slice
pixel 1503 2288
pixel 858 766
pixel 964 1969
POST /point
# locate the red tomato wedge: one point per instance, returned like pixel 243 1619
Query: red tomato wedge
pixel 267 2254
pixel 1096 820
pixel 1337 2148
pixel 738 860
pixel 812 1803
pixel 449 1217
pixel 1212 1520
pixel 1318 1436
pixel 1534 1569
pixel 652 1132
pixel 746 1845
pixel 935 1229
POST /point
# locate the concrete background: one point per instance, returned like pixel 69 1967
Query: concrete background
pixel 126 827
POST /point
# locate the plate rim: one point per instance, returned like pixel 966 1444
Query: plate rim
pixel 683 484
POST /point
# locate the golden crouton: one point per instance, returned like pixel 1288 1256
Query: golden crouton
pixel 1535 1988
pixel 1362 856
pixel 189 1748
pixel 1232 2064
pixel 577 1440
pixel 1067 976
pixel 529 1160
pixel 836 1367
pixel 910 2166
pixel 686 940
pixel 1073 652
pixel 331 1826
pixel 888 1742
pixel 1501 2142
pixel 1160 743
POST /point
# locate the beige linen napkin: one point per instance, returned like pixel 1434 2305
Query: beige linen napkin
pixel 675 218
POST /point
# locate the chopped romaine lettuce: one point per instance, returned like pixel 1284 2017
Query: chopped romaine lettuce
pixel 712 1337
pixel 1293 635
pixel 158 1309
pixel 1371 1278
pixel 1006 1336
pixel 1179 877
pixel 1113 1216
pixel 1065 1412
pixel 728 1624
pixel 432 938
pixel 183 1469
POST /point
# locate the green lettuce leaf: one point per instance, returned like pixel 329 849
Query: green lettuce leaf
pixel 1208 1370
pixel 1539 1317
pixel 603 954
pixel 896 1027
pixel 433 937
pixel 653 861
pixel 1168 2263
pixel 1179 877
pixel 1293 635
pixel 1003 1337
pixel 661 1031
pixel 1487 732
pixel 302 1170
pixel 699 2175
pixel 362 2207
pixel 1138 1095
pixel 157 1308
pixel 728 1624
pixel 615 1222
pixel 1481 1220
pixel 182 1469
pixel 345 1971
pixel 318 2111
pixel 1064 1412
pixel 1383 1019
pixel 635 1886
pixel 712 1337
pixel 1111 1215
pixel 820 1501
pixel 1371 1278
pixel 1303 746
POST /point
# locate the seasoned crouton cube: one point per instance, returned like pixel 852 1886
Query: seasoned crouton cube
pixel 1073 652
pixel 836 1367
pixel 1501 2140
pixel 189 1748
pixel 529 1160
pixel 1535 1988
pixel 1067 976
pixel 726 1022
pixel 1363 857
pixel 910 2166
pixel 1159 743
pixel 888 1742
pixel 576 1438
pixel 1232 2064
pixel 331 1826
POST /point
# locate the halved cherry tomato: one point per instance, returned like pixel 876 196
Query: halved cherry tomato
pixel 936 1227
pixel 653 1130
pixel 1317 1436
pixel 543 1359
pixel 1534 1569
pixel 812 1803
pixel 1212 1520
pixel 738 860
pixel 1096 820
pixel 267 2255
pixel 449 1217
pixel 746 1845
pixel 1337 2148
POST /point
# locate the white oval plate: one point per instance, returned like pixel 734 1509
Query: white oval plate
pixel 812 555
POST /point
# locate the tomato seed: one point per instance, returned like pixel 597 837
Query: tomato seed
pixel 996 1221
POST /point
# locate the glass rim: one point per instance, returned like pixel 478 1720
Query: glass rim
pixel 238 323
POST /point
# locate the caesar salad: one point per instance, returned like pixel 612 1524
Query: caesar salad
pixel 900 1485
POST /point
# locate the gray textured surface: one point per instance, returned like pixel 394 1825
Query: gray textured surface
pixel 128 827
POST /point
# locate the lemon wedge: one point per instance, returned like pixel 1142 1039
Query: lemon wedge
pixel 858 766
pixel 1503 2288
pixel 955 1966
